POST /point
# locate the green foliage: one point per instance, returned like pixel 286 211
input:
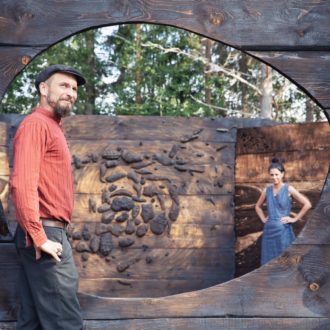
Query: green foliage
pixel 159 70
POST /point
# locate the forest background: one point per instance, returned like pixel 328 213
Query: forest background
pixel 155 70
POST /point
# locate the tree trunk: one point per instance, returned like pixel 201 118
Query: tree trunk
pixel 309 110
pixel 267 90
pixel 91 62
pixel 243 68
pixel 138 78
pixel 208 55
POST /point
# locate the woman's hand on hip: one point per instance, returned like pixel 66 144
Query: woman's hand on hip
pixel 288 219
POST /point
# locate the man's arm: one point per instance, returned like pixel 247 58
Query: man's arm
pixel 29 149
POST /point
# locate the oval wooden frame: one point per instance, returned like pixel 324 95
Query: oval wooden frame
pixel 294 40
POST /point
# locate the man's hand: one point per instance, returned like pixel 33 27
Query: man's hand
pixel 52 248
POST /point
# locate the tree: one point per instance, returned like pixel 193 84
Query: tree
pixel 146 69
pixel 267 91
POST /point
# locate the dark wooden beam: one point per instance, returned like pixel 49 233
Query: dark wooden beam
pixel 12 61
pixel 280 24
pixel 308 70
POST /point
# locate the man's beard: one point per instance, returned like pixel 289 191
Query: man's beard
pixel 60 110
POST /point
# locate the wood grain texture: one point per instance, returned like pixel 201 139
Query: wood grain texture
pixel 307 69
pixel 202 324
pixel 295 285
pixel 13 60
pixel 211 324
pixel 138 128
pixel 299 166
pixel 304 25
pixel 168 264
pixel 279 289
pixel 283 138
pixel 317 229
pixel 294 25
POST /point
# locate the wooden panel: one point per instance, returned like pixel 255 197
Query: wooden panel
pixel 247 194
pixel 308 69
pixel 299 166
pixel 211 210
pixel 203 324
pixel 213 179
pixel 4 165
pixel 211 324
pixel 284 138
pixel 181 236
pixel 235 22
pixel 317 228
pixel 13 59
pixel 142 128
pixel 195 152
pixel 152 288
pixel 3 134
pixel 283 290
pixel 167 264
pixel 279 289
pixel 9 269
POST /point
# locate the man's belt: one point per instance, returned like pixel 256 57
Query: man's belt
pixel 54 223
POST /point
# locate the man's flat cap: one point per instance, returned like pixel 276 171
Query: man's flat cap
pixel 45 74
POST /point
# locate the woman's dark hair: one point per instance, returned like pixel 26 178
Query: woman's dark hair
pixel 276 163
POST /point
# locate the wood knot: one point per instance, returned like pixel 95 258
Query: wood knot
pixel 314 286
pixel 25 59
pixel 217 18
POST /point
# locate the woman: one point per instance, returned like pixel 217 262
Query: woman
pixel 278 233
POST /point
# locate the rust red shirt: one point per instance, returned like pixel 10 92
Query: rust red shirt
pixel 41 181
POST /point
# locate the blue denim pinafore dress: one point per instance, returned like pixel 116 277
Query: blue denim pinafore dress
pixel 276 235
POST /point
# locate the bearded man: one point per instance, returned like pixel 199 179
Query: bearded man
pixel 42 190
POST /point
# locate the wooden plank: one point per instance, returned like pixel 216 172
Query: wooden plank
pixel 217 179
pixel 3 134
pixel 211 210
pixel 316 230
pixel 202 324
pixel 142 128
pixel 4 191
pixel 283 138
pixel 308 69
pixel 281 286
pixel 151 288
pixel 193 153
pixel 9 270
pixel 207 264
pixel 246 195
pixel 247 222
pixel 327 113
pixel 279 289
pixel 228 323
pixel 4 164
pixel 182 236
pixel 13 60
pixel 231 21
pixel 299 166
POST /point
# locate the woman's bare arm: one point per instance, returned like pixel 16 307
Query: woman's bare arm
pixel 303 200
pixel 258 206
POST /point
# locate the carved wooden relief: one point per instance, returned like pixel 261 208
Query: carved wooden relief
pixel 150 207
